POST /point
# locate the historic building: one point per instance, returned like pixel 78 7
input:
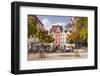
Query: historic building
pixel 56 32
pixel 63 39
pixel 60 33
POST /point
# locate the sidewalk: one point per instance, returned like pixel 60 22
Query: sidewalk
pixel 58 56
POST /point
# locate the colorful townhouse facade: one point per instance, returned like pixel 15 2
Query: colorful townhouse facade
pixel 59 36
pixel 60 33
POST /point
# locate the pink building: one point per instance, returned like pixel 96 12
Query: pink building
pixel 57 36
pixel 56 31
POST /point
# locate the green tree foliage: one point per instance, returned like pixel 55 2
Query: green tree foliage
pixel 74 37
pixel 80 35
pixel 32 26
pixel 82 28
pixel 44 37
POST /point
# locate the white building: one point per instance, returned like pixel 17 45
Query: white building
pixel 63 39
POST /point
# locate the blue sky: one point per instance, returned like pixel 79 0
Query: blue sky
pixel 49 20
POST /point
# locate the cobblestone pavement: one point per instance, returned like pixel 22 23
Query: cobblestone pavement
pixel 59 56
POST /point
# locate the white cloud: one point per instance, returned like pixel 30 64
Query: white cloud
pixel 47 23
pixel 60 23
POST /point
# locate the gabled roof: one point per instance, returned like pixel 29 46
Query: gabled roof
pixel 69 25
pixel 54 27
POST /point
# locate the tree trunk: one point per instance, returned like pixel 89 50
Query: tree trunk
pixel 77 47
pixel 42 55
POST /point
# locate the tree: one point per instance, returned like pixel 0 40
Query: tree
pixel 80 35
pixel 74 38
pixel 82 27
pixel 42 35
pixel 44 38
pixel 32 26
